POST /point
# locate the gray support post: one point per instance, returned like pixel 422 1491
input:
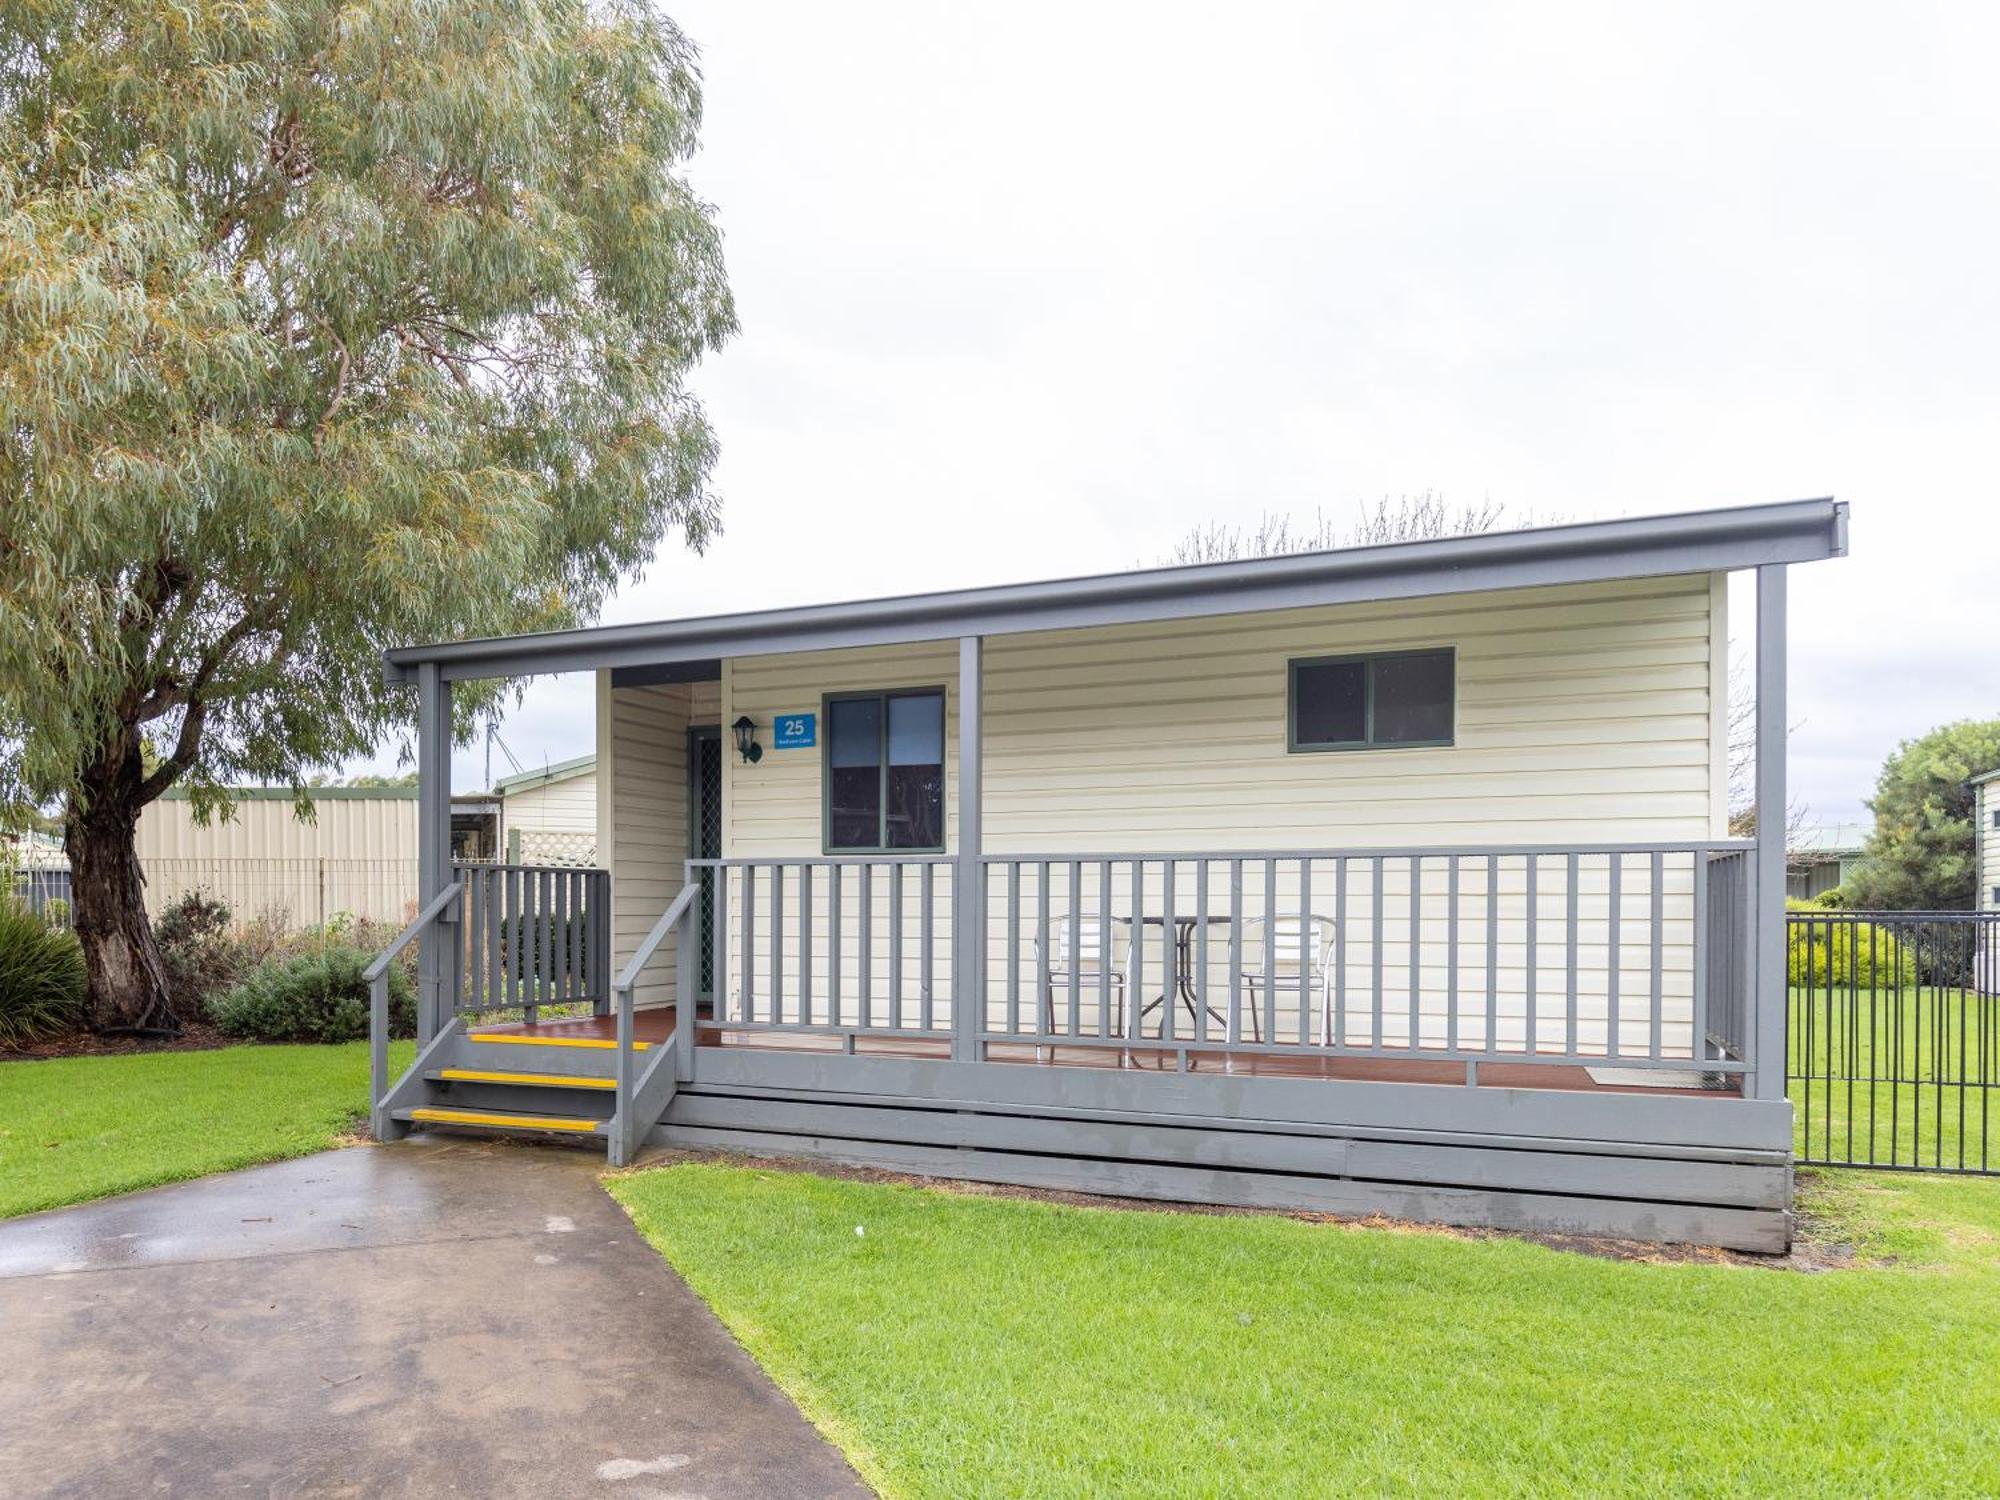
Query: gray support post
pixel 968 915
pixel 1769 995
pixel 437 955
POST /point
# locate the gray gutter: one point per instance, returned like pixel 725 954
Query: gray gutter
pixel 1650 546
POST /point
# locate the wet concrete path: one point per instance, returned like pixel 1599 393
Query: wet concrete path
pixel 430 1318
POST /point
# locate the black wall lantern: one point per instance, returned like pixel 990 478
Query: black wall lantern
pixel 746 740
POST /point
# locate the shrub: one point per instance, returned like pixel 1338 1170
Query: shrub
pixel 41 977
pixel 1842 951
pixel 316 997
pixel 196 949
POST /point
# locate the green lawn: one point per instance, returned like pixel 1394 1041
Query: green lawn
pixel 81 1127
pixel 1877 1075
pixel 966 1345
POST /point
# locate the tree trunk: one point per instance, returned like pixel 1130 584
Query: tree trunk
pixel 128 983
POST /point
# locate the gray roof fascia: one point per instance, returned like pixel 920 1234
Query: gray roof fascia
pixel 1650 546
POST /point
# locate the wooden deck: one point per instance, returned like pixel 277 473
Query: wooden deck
pixel 657 1026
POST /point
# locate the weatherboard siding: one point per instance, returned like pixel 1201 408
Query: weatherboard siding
pixel 568 804
pixel 643 813
pixel 1585 714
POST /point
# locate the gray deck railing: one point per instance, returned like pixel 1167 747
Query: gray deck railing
pixel 1726 887
pixel 376 977
pixel 838 946
pixel 533 936
pixel 1604 956
pixel 1574 955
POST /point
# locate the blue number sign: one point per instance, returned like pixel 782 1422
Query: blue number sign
pixel 795 731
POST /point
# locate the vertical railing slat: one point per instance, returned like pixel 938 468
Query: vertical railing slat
pixel 1308 952
pixel 926 916
pixel 1045 966
pixel 1451 954
pixel 1201 950
pixel 749 999
pixel 1612 962
pixel 1106 930
pixel 1234 1030
pixel 1075 955
pixel 1659 914
pixel 896 947
pixel 1416 949
pixel 777 943
pixel 836 880
pixel 1014 946
pixel 806 943
pixel 1271 949
pixel 1492 953
pixel 1340 952
pixel 1377 915
pixel 865 948
pixel 1534 959
pixel 1571 1001
pixel 1170 951
pixel 1137 1002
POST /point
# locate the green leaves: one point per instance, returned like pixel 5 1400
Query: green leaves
pixel 1921 856
pixel 326 327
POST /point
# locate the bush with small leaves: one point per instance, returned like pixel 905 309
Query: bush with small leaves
pixel 200 954
pixel 316 997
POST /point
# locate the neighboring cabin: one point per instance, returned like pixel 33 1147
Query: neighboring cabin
pixel 1986 829
pixel 1823 857
pixel 549 816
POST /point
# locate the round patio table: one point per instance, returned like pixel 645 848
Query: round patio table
pixel 1184 929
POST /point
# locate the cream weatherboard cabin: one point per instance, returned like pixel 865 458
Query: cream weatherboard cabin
pixel 1391 879
pixel 1986 831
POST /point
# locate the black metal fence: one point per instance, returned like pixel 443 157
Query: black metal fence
pixel 1893 1047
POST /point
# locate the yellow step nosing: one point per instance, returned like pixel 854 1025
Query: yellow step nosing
pixel 545 1080
pixel 515 1039
pixel 434 1116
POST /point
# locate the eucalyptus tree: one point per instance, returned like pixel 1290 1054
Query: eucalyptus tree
pixel 323 327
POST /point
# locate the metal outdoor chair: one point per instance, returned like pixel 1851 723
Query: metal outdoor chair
pixel 1086 951
pixel 1301 961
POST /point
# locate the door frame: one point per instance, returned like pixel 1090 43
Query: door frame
pixel 697 736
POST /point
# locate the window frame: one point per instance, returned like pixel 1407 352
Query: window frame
pixel 882 696
pixel 1368 659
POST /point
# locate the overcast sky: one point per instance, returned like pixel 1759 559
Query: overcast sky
pixel 1028 290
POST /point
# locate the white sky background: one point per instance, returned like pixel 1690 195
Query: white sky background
pixel 1030 290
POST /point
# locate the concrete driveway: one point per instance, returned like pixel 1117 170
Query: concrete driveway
pixel 430 1318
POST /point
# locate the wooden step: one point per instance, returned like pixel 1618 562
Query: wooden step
pixel 431 1114
pixel 516 1039
pixel 523 1080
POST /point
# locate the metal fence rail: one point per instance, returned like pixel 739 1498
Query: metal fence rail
pixel 1893 1044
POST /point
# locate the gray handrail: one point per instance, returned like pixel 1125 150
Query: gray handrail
pixel 628 978
pixel 376 976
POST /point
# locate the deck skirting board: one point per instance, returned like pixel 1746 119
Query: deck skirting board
pixel 1737 1124
pixel 1755 1229
pixel 1458 1166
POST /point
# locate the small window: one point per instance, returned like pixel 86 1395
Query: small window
pixel 1399 699
pixel 885 771
pixel 1996 817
